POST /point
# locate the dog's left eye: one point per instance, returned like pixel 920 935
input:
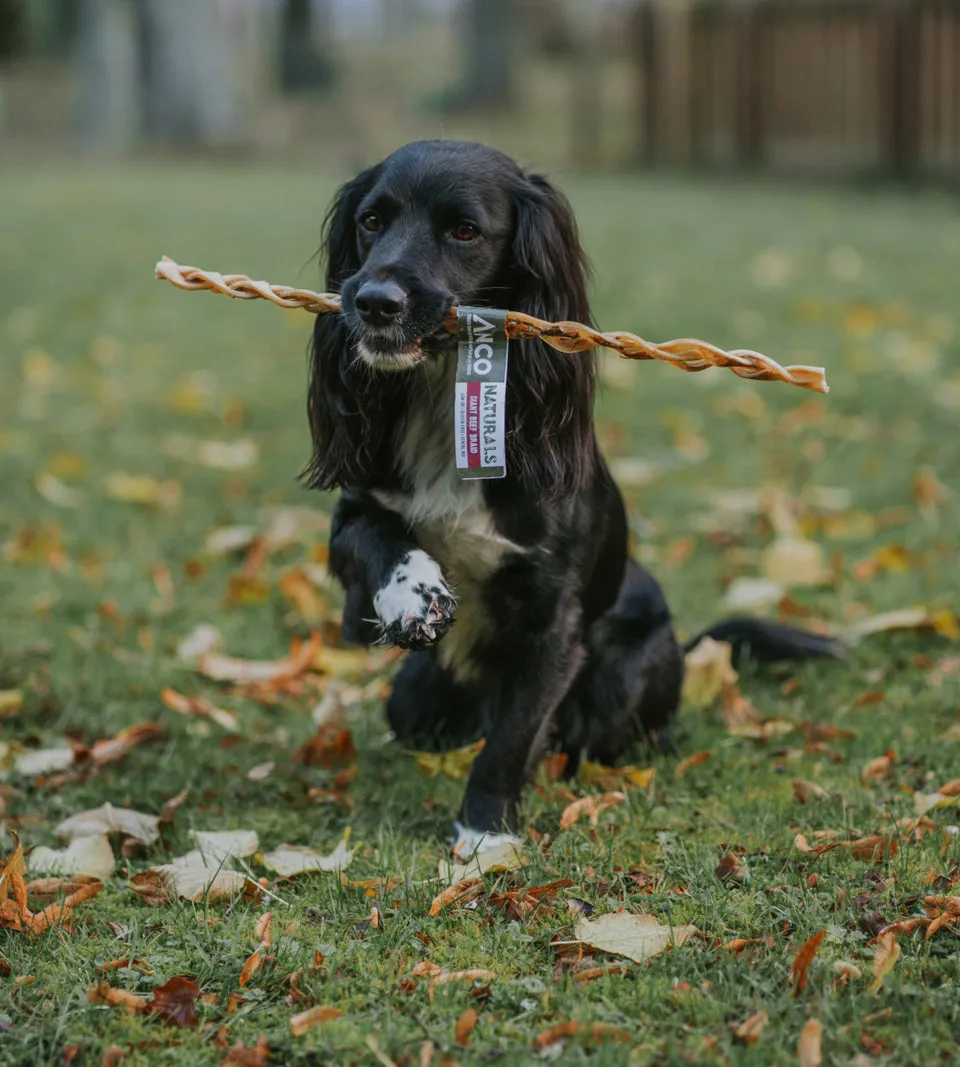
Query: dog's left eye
pixel 465 231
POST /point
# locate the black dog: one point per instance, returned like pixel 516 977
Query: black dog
pixel 560 639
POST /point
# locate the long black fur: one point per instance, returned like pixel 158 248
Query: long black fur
pixel 562 640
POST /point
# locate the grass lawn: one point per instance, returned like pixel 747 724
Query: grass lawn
pixel 105 372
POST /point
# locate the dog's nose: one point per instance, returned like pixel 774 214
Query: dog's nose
pixel 380 303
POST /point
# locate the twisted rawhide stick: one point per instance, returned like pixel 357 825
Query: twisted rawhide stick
pixel 686 354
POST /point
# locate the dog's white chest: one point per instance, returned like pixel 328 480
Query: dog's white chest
pixel 448 515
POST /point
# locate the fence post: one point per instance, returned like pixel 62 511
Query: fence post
pixel 899 90
pixel 749 85
pixel 649 81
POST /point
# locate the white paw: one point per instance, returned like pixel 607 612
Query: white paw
pixel 467 841
pixel 416 606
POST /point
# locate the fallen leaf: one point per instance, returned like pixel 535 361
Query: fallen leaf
pixel 887 954
pixel 708 670
pixel 465 1026
pixel 808 1047
pixel 589 806
pixel 104 993
pixel 454 764
pixel 609 777
pixel 793 561
pixel 732 869
pixel 877 769
pixel 263 929
pixel 107 820
pixel 297 586
pixel 638 937
pixel 82 893
pixel 241 1056
pixel 250 967
pixel 50 888
pixel 42 761
pixel 307 1020
pixel 192 881
pixel 231 669
pixel 288 860
pixel 919 618
pixel 590 1032
pixel 458 893
pixel 752 594
pixel 11 700
pixel 804 791
pixel 12 882
pixel 696 760
pixel 752 1027
pixel 476 974
pixel 220 846
pixel 90 855
pixel 202 640
pixel 110 749
pixel 504 856
pixel 738 712
pixel 800 967
pixel 142 489
pixel 201 708
pixel 174 1002
pixel 328 747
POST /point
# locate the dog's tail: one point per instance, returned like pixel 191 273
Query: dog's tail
pixel 769 642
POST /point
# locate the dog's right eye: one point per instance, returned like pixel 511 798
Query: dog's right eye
pixel 371 222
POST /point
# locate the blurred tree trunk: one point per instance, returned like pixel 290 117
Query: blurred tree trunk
pixel 107 53
pixel 305 61
pixel 488 46
pixel 187 84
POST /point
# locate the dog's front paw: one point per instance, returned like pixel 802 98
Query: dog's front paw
pixel 415 606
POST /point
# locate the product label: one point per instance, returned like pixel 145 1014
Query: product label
pixel 481 393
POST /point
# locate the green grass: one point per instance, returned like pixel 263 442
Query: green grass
pixel 107 348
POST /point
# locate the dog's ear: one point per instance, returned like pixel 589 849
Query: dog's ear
pixel 344 405
pixel 550 441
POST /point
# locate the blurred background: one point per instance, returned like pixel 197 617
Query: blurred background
pixel 867 87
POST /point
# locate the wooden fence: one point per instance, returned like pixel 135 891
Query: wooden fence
pixel 868 86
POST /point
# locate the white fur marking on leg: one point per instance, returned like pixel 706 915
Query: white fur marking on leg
pixel 467 841
pixel 414 585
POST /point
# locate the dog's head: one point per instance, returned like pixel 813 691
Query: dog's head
pixel 440 223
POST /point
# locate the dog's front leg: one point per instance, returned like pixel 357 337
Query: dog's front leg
pixel 535 675
pixel 395 591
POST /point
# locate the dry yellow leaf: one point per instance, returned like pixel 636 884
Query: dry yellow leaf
pixel 708 670
pixel 809 1053
pixel 752 1027
pixel 637 937
pixel 307 1020
pixel 591 807
pixel 887 954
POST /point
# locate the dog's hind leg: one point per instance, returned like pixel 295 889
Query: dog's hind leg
pixel 429 710
pixel 629 688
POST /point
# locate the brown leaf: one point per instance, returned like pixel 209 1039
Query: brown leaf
pixel 230 669
pixel 174 1001
pixel 731 869
pixel 329 747
pixel 465 1026
pixel 50 888
pixel 877 769
pixel 611 777
pixel 738 712
pixel 459 892
pixel 591 1032
pixel 241 1056
pixel 52 915
pixel 307 1020
pixel 696 760
pixel 104 993
pixel 808 1047
pixel 801 962
pixel 303 594
pixel 591 807
pixel 476 974
pixel 804 791
pixel 887 954
pixel 250 968
pixel 12 884
pixel 82 893
pixel 752 1027
pixel 112 1056
pixel 263 928
pixel 110 749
